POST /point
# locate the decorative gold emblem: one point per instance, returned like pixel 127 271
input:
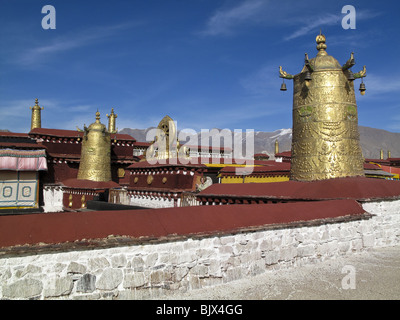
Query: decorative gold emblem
pixel 121 172
pixel 164 180
pixel 136 180
pixel 83 201
pixel 70 201
pixel 150 179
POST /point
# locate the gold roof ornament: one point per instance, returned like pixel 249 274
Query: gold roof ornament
pixel 326 141
pixel 276 146
pixel 112 121
pixel 95 163
pixel 36 121
pixel 166 144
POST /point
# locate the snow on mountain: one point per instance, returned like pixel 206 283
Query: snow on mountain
pixel 282 132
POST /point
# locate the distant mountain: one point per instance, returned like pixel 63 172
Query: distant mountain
pixel 138 134
pixel 372 141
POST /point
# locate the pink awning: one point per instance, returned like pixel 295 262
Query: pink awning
pixel 23 160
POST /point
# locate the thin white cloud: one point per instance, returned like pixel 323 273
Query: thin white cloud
pixel 228 20
pixel 394 121
pixel 17 108
pixel 262 81
pixel 69 42
pixel 378 85
pixel 230 114
pixel 225 20
pixel 16 114
pixel 328 20
pixel 81 108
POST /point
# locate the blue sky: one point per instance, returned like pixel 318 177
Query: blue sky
pixel 205 63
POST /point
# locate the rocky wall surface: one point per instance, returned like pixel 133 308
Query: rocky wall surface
pixel 151 271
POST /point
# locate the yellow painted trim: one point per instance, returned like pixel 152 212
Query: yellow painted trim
pixel 17 207
pixel 375 176
pixel 265 179
pixel 221 165
pixel 244 179
pixel 232 179
pixel 375 164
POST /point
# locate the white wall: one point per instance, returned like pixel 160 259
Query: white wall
pixel 53 199
pixel 150 201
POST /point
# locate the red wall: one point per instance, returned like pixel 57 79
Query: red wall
pixel 76 200
pixel 58 172
pixel 63 148
pixel 151 223
pixel 173 181
pixel 121 151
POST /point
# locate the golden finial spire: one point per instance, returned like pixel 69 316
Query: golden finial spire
pixel 97 116
pixel 321 46
pixel 111 121
pixel 36 121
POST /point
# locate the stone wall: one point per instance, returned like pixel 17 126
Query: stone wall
pixel 155 270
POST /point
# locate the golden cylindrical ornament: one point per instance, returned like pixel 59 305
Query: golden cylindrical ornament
pixel 325 141
pixel 95 163
pixel 36 121
pixel 112 121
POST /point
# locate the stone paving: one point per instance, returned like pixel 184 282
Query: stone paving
pixel 370 274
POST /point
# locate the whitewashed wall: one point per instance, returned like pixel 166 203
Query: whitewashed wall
pixel 53 198
pixel 148 201
pixel 155 270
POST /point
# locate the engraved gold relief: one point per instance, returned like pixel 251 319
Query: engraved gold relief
pixel 325 141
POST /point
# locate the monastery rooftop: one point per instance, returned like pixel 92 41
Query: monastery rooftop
pixel 357 188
